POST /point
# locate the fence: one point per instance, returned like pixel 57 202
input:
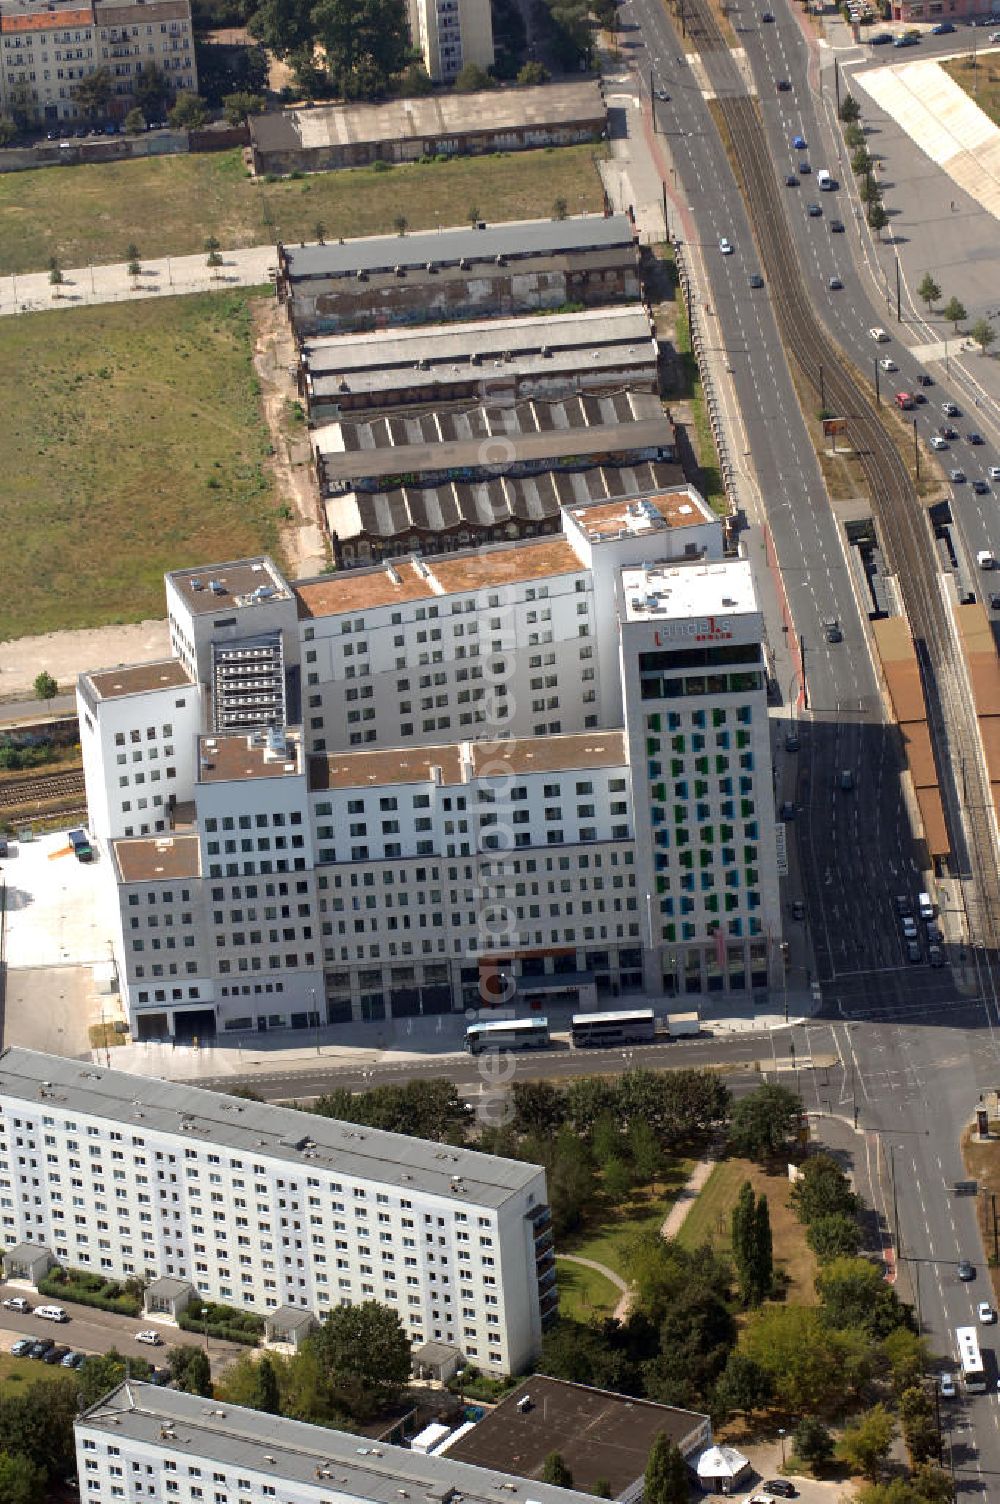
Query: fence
pixel 726 466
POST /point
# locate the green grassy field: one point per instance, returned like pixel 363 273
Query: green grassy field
pixel 132 444
pixel 610 1229
pixel 584 1295
pixel 981 82
pixel 170 205
pixel 17 1373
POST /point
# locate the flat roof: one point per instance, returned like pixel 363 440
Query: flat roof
pixel 681 507
pixel 598 1434
pixel 484 111
pixel 146 1103
pixel 898 657
pixel 156 858
pixel 45 20
pixel 291 1451
pixel 549 754
pixel 403 510
pixel 515 239
pixel 373 768
pixel 225 759
pixel 668 592
pixel 355 362
pixel 139 679
pixel 239 583
pixel 481 437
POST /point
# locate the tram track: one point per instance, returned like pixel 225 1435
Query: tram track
pixel 45 789
pixel 903 522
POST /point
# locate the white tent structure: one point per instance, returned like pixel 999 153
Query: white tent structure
pixel 719 1469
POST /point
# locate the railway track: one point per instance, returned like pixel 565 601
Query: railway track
pixel 903 523
pixel 45 789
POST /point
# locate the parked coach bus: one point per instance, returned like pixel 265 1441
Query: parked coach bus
pixel 508 1034
pixel 610 1029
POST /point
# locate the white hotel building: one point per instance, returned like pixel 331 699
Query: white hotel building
pixel 270 1209
pixel 373 792
pixel 141 1441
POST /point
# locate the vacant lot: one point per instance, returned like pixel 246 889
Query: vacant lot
pixel 132 444
pixel 710 1221
pixel 170 205
pixel 980 80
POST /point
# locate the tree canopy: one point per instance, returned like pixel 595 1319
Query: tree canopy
pixel 363 1354
pixel 812 1367
pixel 764 1123
pixel 853 1293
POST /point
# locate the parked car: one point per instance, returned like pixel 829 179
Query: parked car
pixel 994 472
pixel 51 1313
pixel 942 29
pixel 151 1338
pixel 781 1488
pixel 21 1346
pixel 946 1384
pixel 17 1303
pixel 40 1347
pixel 905 41
pixel 72 1359
pixel 880 39
pixel 56 1355
pixel 935 955
pixel 913 953
pixel 909 927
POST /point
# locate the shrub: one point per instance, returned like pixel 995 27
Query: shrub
pixel 85 1288
pixel 226 1323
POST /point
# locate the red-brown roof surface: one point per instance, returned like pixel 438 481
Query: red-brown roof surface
pixel 49 20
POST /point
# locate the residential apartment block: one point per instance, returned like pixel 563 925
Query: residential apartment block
pixel 142 1441
pixel 47 49
pixel 271 1209
pixel 380 792
pixel 448 34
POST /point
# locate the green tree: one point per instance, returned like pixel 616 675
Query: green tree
pixel 764 1123
pixel 923 1486
pixel 812 1442
pixel 268 1398
pixel 471 78
pixel 685 1297
pixel 8 130
pixel 854 136
pixel 95 92
pixel 868 191
pixel 865 1444
pixel 415 82
pixel 954 312
pixel 928 291
pixel 152 91
pixel 22 104
pixel 571 1181
pixel 364 1355
pixel 907 1357
pixel 850 110
pixel 920 1430
pixel 555 1471
pixel 135 123
pixel 743 1228
pixel 240 105
pixel 861 162
pixel 853 1293
pixel 878 218
pixel 666 1480
pixel 602 1489
pixel 617 1179
pixel 560 209
pixel 188 112
pixel 401 224
pixel 762 1264
pixel 983 333
pixel 366 43
pixel 105 1371
pixel 190 1369
pixel 213 261
pixel 538 1106
pixel 743 1386
pixel 645 1152
pixel 833 1237
pixel 533 73
pixel 812 1367
pixel 21 1481
pixel 284 26
pixel 822 1190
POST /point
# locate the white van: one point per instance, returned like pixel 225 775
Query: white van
pixel 925 907
pixel 824 182
pixel 51 1313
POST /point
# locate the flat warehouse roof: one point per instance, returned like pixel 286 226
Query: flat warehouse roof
pixel 597 1433
pixel 515 239
pixel 138 679
pixel 291 1451
pixel 549 754
pixel 665 592
pixel 222 759
pixel 371 769
pixel 157 858
pixel 257 1129
pixel 243 582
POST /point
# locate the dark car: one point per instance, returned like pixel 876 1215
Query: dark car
pixel 974 438
pixel 951 409
pixel 22 1347
pixel 965 1271
pixel 913 954
pixel 81 133
pixel 925 380
pixel 980 487
pixel 40 1347
pixel 995 602
pixel 942 29
pixel 836 227
pixel 880 39
pixel 766 16
pixel 756 280
pixel 781 1488
pixel 804 169
pixel 56 1355
pixel 814 211
pixel 904 904
pixel 947 432
pixel 791 181
pixel 798 909
pixel 783 86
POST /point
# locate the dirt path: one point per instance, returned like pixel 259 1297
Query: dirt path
pixel 303 538
pixel 687 1196
pixel 622 1308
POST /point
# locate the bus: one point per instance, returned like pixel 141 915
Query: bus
pixel 508 1034
pixel 610 1029
pixel 970 1358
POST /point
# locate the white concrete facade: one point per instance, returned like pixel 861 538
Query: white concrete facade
pixel 261 1207
pixel 448 34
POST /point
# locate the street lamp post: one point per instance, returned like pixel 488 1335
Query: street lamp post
pixel 781 1438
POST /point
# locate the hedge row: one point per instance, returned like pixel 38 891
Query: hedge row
pixel 227 1323
pixel 80 1287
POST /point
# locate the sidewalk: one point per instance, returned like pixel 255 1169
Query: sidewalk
pixel 167 276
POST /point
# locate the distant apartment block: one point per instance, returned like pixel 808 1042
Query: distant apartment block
pixel 273 1210
pixel 403 130
pixel 47 49
pixel 448 34
pixel 375 793
pixel 490 271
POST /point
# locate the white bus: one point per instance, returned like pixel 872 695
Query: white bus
pixel 610 1029
pixel 508 1034
pixel 970 1358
